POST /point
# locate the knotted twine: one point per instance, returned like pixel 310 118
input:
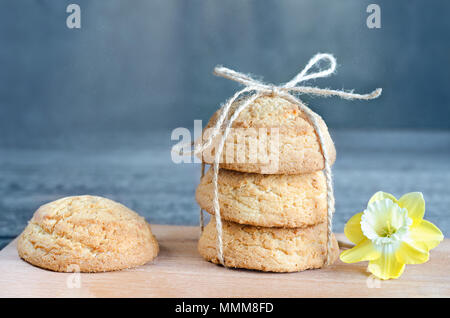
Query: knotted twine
pixel 256 89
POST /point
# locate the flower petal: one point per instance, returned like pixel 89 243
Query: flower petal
pixel 364 251
pixel 380 195
pixel 353 230
pixel 386 266
pixel 427 233
pixel 415 204
pixel 412 254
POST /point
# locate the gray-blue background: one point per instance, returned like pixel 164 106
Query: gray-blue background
pixel 142 65
pixel 91 110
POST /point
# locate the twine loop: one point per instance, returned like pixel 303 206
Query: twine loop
pixel 256 89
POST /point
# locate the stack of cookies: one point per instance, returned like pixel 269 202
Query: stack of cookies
pixel 274 217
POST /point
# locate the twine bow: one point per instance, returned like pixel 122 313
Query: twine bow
pixel 257 89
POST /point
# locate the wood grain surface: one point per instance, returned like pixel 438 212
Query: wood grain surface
pixel 179 271
pixel 137 171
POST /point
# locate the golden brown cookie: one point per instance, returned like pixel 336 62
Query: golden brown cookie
pixel 268 249
pixel 87 234
pixel 266 200
pixel 292 148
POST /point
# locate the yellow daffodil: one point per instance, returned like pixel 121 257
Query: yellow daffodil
pixel 391 233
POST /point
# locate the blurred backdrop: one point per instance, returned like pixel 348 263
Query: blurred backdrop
pixel 147 64
pixel 90 110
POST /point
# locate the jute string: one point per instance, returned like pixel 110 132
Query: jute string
pixel 256 89
pixel 202 221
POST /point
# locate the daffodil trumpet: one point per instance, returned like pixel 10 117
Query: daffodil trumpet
pixel 390 233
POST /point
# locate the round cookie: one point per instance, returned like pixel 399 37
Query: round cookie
pixel 293 148
pixel 266 200
pixel 87 234
pixel 268 249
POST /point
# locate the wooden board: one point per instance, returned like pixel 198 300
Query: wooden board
pixel 179 271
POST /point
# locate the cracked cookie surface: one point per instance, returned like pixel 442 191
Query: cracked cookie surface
pixel 266 200
pixel 87 234
pixel 298 149
pixel 268 249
